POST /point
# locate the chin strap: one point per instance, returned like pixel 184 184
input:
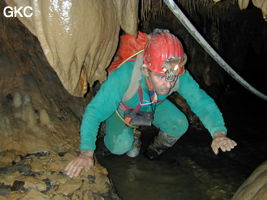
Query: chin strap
pixel 153 95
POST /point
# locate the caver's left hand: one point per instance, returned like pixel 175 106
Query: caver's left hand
pixel 220 141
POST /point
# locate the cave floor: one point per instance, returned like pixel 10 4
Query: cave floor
pixel 189 170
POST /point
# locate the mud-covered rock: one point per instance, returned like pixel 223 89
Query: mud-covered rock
pixel 34 194
pixel 46 180
pixel 255 187
pixel 79 57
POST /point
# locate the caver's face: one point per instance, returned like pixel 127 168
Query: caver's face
pixel 159 83
pixel 161 86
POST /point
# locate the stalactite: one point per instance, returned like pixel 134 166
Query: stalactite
pixel 151 9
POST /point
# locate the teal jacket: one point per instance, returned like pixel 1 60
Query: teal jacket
pixel 111 93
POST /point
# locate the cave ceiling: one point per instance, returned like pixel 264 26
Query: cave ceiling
pixel 208 8
pixel 81 56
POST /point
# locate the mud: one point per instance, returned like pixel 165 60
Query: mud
pixel 41 176
pixel 39 136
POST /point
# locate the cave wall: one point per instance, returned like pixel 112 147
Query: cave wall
pixel 39 125
pixel 27 77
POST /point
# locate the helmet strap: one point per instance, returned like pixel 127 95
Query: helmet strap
pixel 149 84
pixel 153 96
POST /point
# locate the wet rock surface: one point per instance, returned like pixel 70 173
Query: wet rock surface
pixel 255 186
pixel 40 176
pixel 39 126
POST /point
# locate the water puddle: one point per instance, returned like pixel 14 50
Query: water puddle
pixel 190 171
pixel 143 179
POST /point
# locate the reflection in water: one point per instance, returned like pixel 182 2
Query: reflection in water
pixel 142 179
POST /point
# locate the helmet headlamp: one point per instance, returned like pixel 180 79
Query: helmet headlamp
pixel 173 67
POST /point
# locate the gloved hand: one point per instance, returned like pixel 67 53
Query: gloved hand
pixel 220 141
pixel 84 161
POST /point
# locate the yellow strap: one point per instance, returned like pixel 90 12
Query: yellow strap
pixel 137 133
pixel 128 124
pixel 130 57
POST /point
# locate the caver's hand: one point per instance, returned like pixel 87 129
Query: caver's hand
pixel 220 141
pixel 84 161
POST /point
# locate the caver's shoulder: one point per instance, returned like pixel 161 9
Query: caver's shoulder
pixel 124 70
pixel 122 74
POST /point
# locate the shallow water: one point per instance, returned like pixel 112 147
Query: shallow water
pixel 141 178
pixel 190 170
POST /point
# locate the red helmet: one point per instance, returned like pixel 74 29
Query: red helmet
pixel 165 55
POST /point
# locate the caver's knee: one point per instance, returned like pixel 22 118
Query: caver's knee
pixel 119 145
pixel 170 119
pixel 181 125
pixel 176 127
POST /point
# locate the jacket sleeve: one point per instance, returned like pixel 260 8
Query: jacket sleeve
pixel 103 105
pixel 201 104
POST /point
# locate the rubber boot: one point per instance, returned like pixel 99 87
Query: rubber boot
pixel 160 144
pixel 134 152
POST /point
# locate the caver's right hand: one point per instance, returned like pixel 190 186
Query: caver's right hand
pixel 84 161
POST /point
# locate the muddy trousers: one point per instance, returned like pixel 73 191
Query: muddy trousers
pixel 168 118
